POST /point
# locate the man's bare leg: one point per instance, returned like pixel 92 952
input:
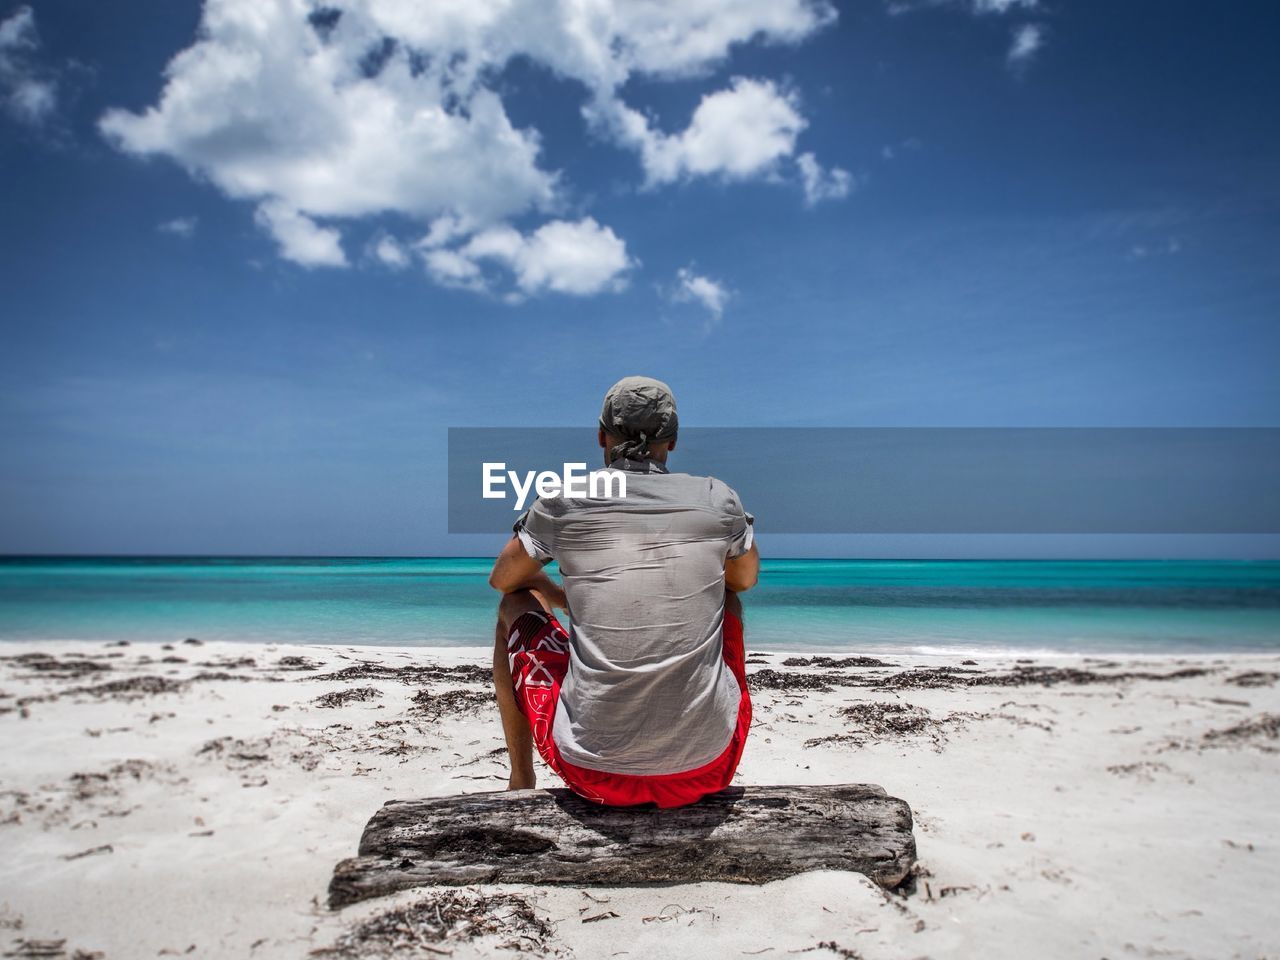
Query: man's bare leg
pixel 515 727
pixel 732 604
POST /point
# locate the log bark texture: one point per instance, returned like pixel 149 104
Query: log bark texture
pixel 544 837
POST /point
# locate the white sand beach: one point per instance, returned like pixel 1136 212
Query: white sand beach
pixel 193 799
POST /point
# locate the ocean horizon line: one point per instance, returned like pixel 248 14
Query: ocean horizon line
pixel 484 556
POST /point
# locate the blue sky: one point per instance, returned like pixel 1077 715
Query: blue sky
pixel 244 299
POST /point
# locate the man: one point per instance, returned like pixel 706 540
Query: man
pixel 644 699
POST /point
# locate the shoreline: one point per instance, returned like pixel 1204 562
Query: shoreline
pixel 993 654
pixel 1064 806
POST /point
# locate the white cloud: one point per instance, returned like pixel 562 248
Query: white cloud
pixel 820 184
pixel 33 101
pixel 28 89
pixel 184 227
pixel 601 43
pixel 18 31
pixel 1003 6
pixel 300 238
pixel 694 288
pixel 578 258
pixel 736 133
pixel 977 7
pixel 1170 247
pixel 891 151
pixel 452 269
pixel 1027 40
pixel 359 108
pixel 499 243
pixel 444 230
pixel 390 252
pixel 265 107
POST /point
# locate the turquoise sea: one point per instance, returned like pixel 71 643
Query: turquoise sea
pixel 931 605
pixel 1064 606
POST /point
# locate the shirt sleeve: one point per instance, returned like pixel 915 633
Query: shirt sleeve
pixel 741 526
pixel 536 531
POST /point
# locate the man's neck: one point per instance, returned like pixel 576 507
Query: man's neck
pixel 646 465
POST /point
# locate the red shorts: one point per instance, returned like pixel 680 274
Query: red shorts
pixel 538 652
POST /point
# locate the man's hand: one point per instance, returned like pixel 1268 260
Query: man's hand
pixel 551 591
pixel 516 570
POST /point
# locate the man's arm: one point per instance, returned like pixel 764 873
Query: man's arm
pixel 741 573
pixel 516 570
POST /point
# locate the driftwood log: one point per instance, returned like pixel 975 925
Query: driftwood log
pixel 743 835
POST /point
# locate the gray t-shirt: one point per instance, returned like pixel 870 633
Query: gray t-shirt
pixel 647 690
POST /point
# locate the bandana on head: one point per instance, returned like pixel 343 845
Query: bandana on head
pixel 640 411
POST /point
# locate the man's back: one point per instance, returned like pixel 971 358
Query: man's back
pixel 647 690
